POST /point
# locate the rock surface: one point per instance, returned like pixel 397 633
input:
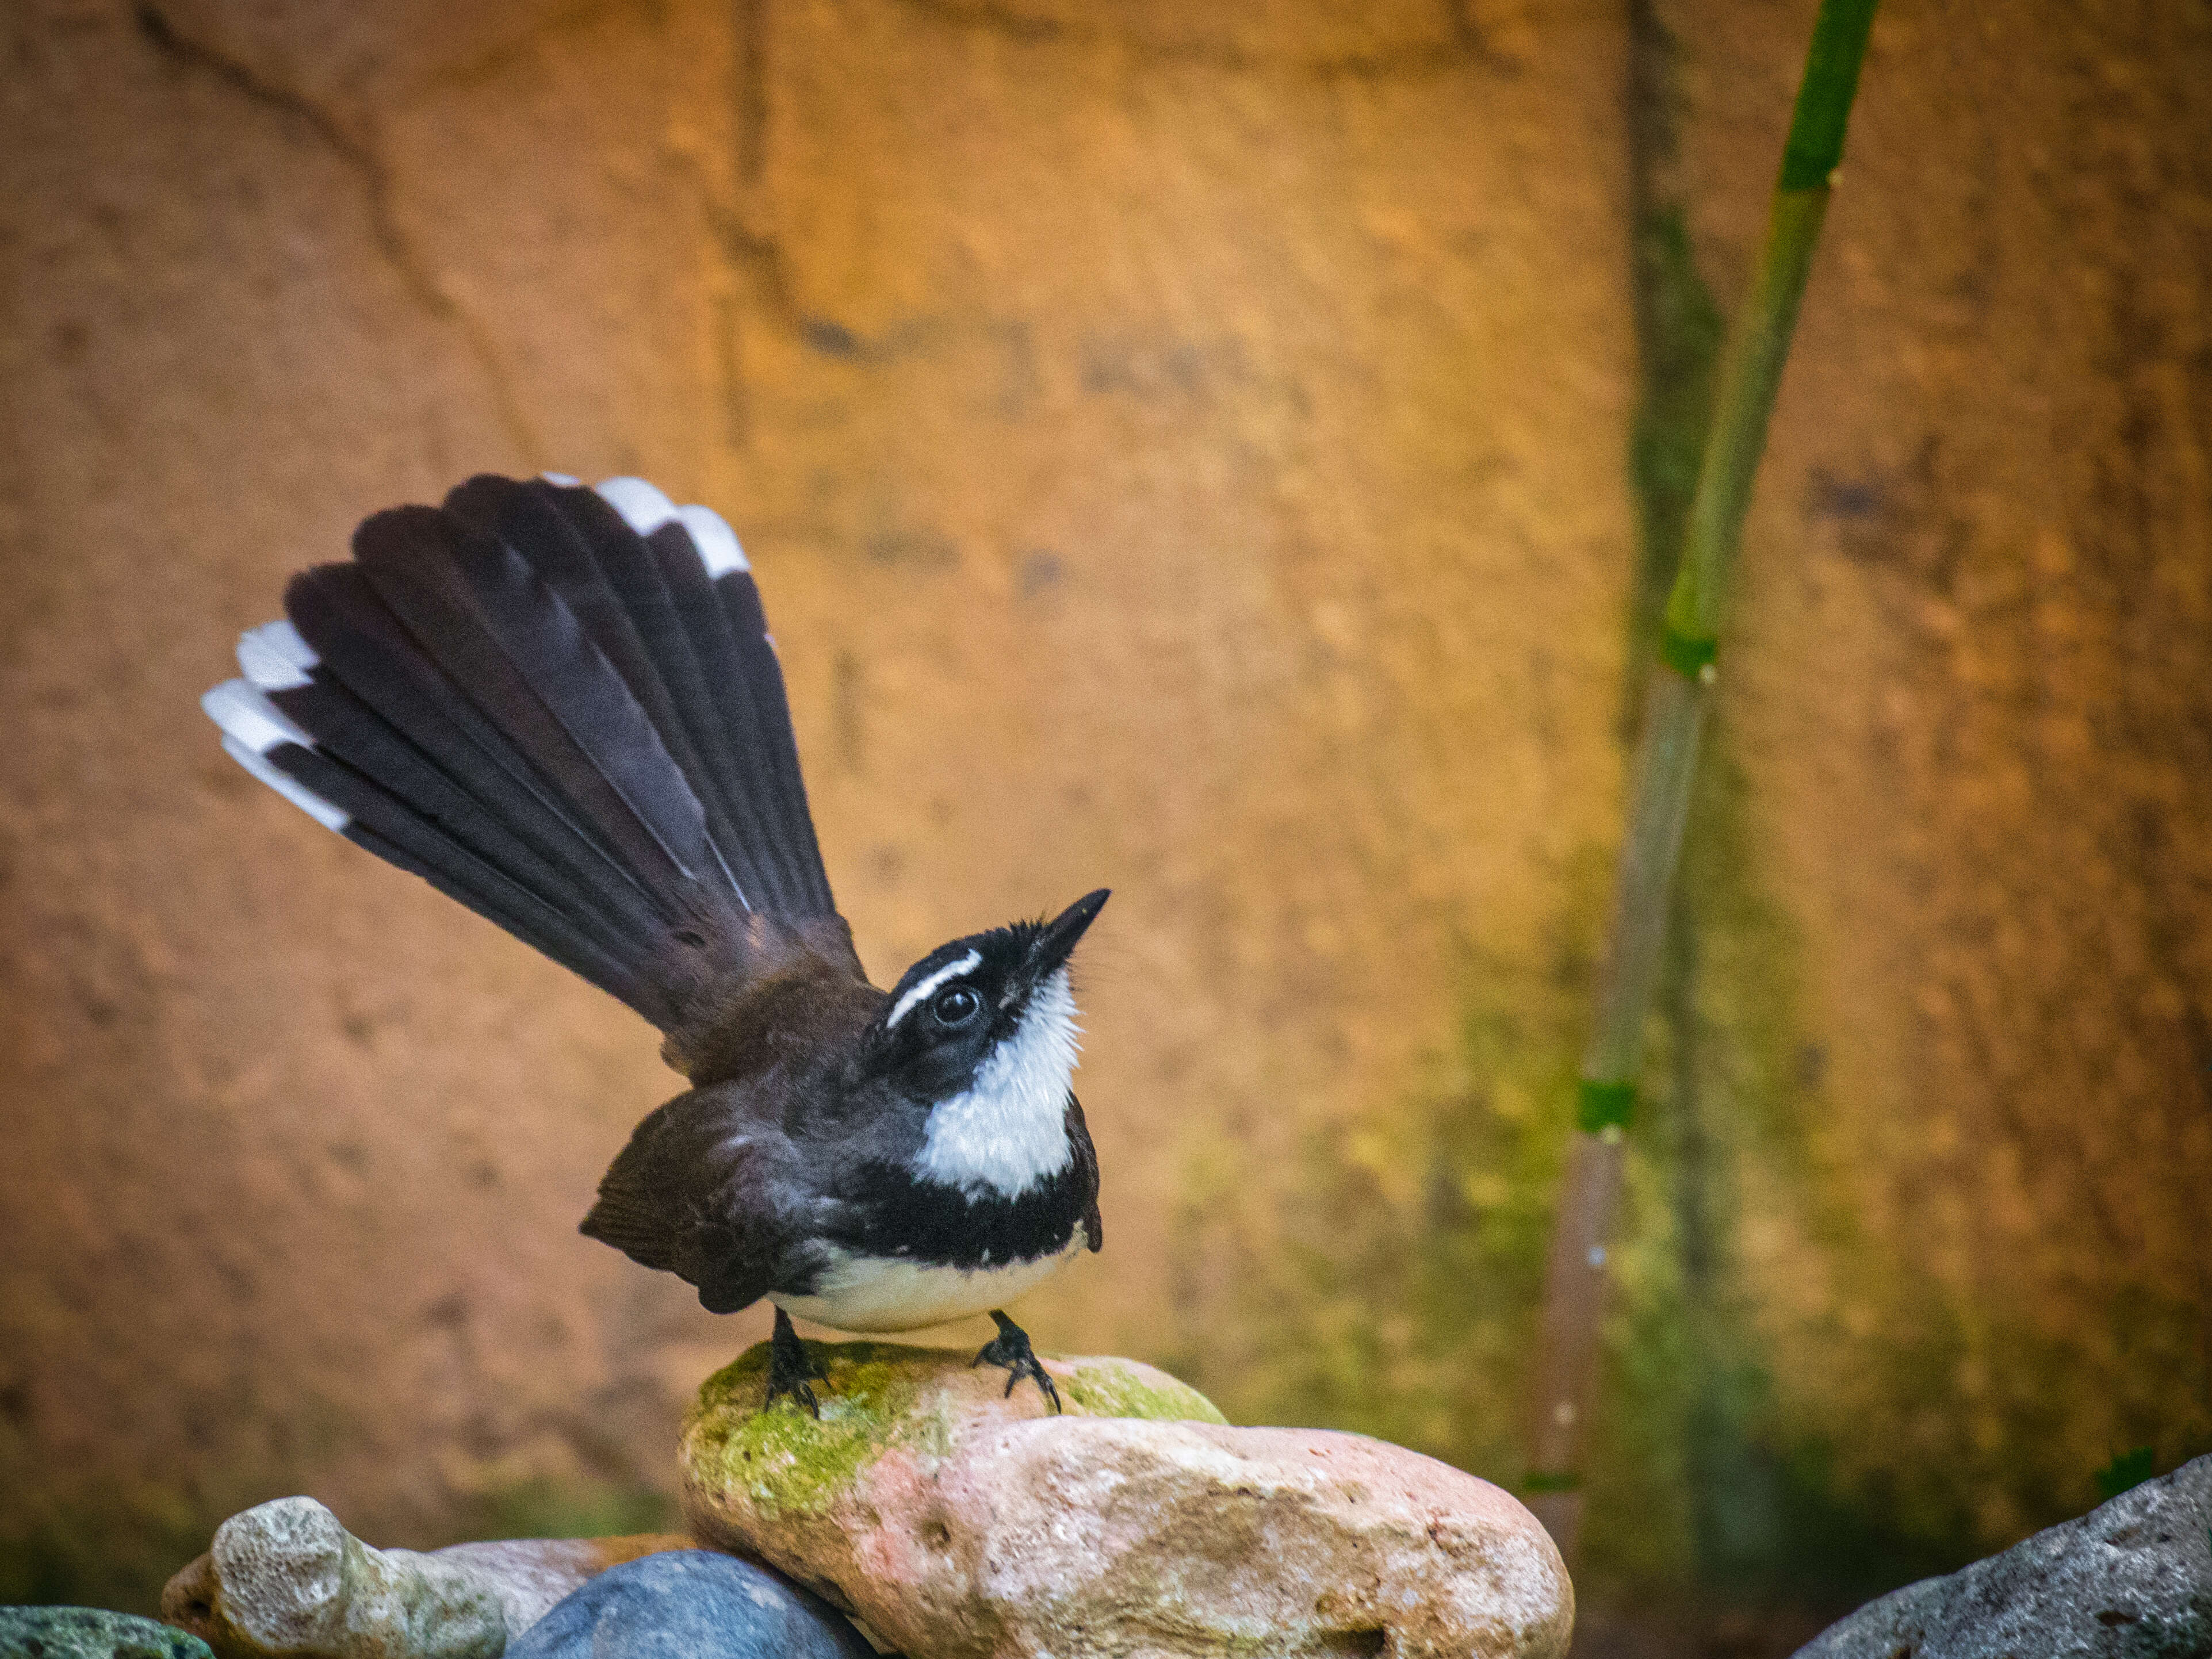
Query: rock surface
pixel 90 1633
pixel 692 1604
pixel 286 1578
pixel 531 1576
pixel 955 1521
pixel 2130 1580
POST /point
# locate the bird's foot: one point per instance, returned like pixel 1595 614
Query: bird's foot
pixel 1011 1348
pixel 790 1369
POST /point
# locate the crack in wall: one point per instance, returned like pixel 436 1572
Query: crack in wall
pixel 750 100
pixel 415 275
pixel 507 54
pixel 761 259
pixel 759 256
pixel 764 264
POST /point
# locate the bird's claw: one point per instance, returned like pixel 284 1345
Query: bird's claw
pixel 791 1368
pixel 1011 1348
pixel 797 1388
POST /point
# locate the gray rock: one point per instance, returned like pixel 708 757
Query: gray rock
pixel 285 1579
pixel 2132 1580
pixel 90 1633
pixel 533 1576
pixel 691 1604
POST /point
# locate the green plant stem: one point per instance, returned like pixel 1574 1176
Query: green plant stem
pixel 1565 1371
pixel 1751 373
pixel 1667 764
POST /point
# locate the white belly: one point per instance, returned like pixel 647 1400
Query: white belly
pixel 878 1293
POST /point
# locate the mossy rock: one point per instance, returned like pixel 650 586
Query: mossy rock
pixel 878 1395
pixel 91 1633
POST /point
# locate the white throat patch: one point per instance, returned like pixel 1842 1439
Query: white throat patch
pixel 1009 1131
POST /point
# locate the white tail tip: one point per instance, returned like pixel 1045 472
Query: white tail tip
pixel 275 658
pixel 287 786
pixel 252 726
pixel 246 714
pixel 717 543
pixel 643 507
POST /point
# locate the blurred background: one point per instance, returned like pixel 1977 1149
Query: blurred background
pixel 1227 453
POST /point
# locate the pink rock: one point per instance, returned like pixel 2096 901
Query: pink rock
pixel 954 1523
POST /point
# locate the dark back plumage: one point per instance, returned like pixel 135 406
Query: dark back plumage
pixel 561 706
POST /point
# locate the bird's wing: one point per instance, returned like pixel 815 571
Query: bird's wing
pixel 1086 1160
pixel 691 1194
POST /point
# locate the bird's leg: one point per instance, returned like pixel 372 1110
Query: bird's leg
pixel 1011 1348
pixel 789 1369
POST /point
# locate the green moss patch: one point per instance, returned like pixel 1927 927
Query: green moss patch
pixel 788 1460
pixel 876 1395
pixel 1106 1389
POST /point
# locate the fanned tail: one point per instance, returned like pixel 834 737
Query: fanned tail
pixel 559 706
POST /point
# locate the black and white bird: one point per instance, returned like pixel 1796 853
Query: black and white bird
pixel 562 707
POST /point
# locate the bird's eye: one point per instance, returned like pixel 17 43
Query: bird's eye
pixel 956 1005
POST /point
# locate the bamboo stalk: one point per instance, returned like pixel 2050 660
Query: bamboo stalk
pixel 1674 709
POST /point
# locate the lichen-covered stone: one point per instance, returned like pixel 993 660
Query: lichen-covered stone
pixel 2129 1580
pixel 882 1395
pixel 692 1604
pixel 90 1633
pixel 285 1579
pixel 958 1523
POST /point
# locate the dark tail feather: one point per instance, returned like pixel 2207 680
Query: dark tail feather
pixel 772 766
pixel 608 577
pixel 355 736
pixel 287 758
pixel 363 648
pixel 734 706
pixel 560 706
pixel 747 749
pixel 519 654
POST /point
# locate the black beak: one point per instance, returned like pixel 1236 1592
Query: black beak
pixel 1058 941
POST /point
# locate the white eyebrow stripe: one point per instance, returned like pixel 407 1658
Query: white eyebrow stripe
pixel 915 994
